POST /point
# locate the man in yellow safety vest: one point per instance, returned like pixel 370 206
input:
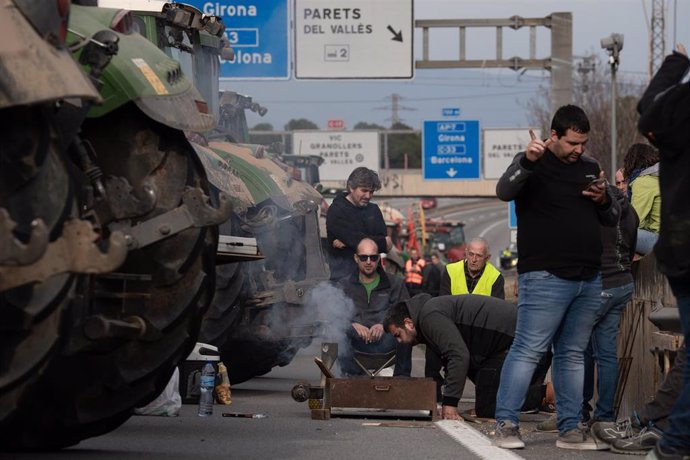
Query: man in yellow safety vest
pixel 474 275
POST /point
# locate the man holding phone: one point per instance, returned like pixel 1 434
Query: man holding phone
pixel 559 205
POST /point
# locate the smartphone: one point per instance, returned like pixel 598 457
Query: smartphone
pixel 596 182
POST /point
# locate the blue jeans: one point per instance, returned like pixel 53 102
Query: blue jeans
pixel 603 350
pixel 388 343
pixel 645 241
pixel 550 310
pixel 678 434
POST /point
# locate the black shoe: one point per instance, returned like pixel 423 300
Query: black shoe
pixel 659 453
pixel 608 431
pixel 638 444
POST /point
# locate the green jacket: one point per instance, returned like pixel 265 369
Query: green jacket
pixel 646 198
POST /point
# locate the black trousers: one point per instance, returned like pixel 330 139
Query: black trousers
pixel 486 379
pixel 659 408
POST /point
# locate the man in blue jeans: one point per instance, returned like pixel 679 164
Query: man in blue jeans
pixel 617 289
pixel 560 206
pixel 665 120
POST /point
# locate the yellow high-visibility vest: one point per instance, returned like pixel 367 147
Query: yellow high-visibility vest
pixel 458 283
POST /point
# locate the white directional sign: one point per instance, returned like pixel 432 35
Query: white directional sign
pixel 501 146
pixel 353 39
pixel 342 151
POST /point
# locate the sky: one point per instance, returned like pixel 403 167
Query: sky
pixel 495 97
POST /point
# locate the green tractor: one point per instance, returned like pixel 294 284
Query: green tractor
pixel 45 247
pixel 136 176
pixel 258 317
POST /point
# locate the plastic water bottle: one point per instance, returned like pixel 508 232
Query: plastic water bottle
pixel 206 384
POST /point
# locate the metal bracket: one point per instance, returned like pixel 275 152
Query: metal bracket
pixel 194 212
pixel 75 251
pixel 12 251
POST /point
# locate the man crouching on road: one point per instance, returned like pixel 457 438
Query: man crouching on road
pixel 472 334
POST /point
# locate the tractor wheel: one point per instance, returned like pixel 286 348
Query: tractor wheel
pixel 160 293
pixel 34 184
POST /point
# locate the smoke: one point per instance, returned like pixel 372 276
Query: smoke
pixel 329 304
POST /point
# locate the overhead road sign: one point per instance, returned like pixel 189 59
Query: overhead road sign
pixel 342 151
pixel 353 39
pixel 451 149
pixel 501 146
pixel 258 32
pixel 451 111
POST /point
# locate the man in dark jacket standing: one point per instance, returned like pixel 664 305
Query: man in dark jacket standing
pixel 559 206
pixel 372 291
pixel 617 288
pixel 472 334
pixel 665 120
pixel 352 217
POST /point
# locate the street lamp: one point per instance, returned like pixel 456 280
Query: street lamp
pixel 613 44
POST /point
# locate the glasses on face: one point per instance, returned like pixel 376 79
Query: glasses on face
pixel 474 255
pixel 365 257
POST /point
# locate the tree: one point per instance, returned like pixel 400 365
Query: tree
pixel 300 123
pixel 266 137
pixel 404 146
pixel 362 125
pixel 263 127
pixel 592 92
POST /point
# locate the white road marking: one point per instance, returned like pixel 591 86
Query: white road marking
pixel 490 227
pixel 475 441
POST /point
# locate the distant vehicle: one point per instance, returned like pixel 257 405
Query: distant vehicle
pixel 509 258
pixel 428 203
pixel 446 237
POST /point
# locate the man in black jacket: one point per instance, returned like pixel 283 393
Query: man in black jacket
pixel 665 120
pixel 472 334
pixel 352 217
pixel 560 205
pixel 372 291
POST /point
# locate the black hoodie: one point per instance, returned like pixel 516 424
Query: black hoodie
pixel 349 224
pixel 665 113
pixel 464 330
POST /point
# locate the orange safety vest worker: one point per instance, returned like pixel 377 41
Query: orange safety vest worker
pixel 413 271
pixel 458 282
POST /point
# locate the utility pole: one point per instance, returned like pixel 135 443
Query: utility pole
pixel 395 108
pixel 657 40
pixel 613 44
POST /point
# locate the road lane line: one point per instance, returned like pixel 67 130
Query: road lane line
pixel 475 441
pixel 490 227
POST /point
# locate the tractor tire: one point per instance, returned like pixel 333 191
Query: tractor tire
pixel 95 383
pixel 246 359
pixel 34 184
pixel 226 305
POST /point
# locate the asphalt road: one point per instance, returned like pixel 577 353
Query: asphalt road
pixel 288 432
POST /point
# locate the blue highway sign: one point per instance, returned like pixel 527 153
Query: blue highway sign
pixel 512 216
pixel 451 149
pixel 451 111
pixel 258 32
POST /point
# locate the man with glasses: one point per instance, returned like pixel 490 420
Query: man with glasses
pixel 474 275
pixel 372 291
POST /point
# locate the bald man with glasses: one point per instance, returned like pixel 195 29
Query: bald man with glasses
pixel 372 291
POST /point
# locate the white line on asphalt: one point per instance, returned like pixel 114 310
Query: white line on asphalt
pixel 475 441
pixel 488 229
